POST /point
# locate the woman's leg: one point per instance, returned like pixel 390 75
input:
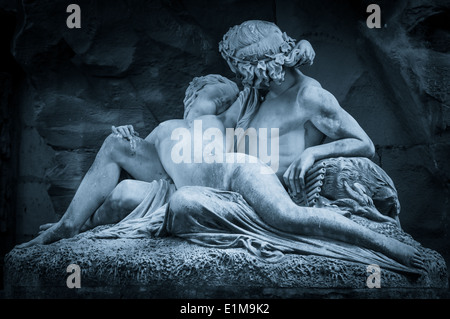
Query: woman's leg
pixel 269 199
pixel 100 180
pixel 124 198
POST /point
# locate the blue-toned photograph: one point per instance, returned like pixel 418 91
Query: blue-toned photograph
pixel 249 150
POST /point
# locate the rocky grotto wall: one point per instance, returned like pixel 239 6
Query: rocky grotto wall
pixel 131 61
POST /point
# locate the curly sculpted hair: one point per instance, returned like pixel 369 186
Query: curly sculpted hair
pixel 256 52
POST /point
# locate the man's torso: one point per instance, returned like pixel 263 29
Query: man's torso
pixel 287 114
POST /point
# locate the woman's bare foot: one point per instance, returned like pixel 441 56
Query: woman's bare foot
pixel 52 233
pixel 44 227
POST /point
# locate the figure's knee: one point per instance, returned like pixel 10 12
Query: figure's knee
pixel 114 145
pixel 112 140
pixel 121 198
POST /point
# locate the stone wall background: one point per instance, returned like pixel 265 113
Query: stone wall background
pixel 132 60
pixel 11 76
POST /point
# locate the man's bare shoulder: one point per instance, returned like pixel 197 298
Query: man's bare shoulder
pixel 312 95
pixel 308 88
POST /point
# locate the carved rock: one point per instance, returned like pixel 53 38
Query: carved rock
pixel 173 268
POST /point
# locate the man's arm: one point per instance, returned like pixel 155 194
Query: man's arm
pixel 349 139
pixel 332 120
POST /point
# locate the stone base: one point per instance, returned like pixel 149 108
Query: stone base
pixel 173 268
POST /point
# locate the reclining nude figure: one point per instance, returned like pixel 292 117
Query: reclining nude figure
pixel 242 173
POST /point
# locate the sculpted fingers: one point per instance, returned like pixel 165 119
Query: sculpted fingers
pixel 290 180
pixel 125 131
pixel 296 180
pixel 122 131
pixel 131 129
pixel 131 133
pixel 293 179
pixel 286 176
pixel 114 130
pixel 301 179
pixel 117 130
pixel 306 164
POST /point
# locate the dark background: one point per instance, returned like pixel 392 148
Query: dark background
pixel 61 90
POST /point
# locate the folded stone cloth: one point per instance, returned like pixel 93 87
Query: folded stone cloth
pixel 223 219
pixel 147 218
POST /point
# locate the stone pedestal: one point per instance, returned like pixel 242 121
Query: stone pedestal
pixel 174 268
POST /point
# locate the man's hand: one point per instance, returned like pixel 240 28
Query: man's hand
pixel 307 51
pixel 294 177
pixel 125 131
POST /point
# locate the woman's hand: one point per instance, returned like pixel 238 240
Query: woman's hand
pixel 125 131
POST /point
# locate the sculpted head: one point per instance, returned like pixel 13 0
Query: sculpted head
pixel 257 52
pixel 210 94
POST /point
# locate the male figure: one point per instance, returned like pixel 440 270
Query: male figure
pixel 264 58
pixel 267 61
